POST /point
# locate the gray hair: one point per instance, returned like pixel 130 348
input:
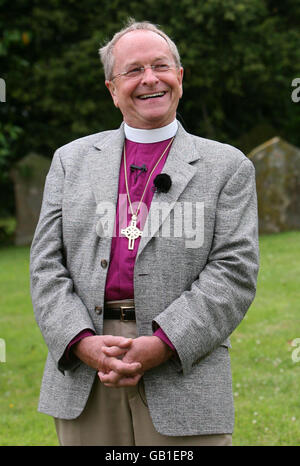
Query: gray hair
pixel 106 52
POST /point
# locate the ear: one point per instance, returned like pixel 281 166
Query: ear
pixel 180 79
pixel 113 92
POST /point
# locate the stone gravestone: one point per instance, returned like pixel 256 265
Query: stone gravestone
pixel 29 179
pixel 277 166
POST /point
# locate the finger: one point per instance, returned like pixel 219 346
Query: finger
pixel 111 377
pixel 123 368
pixel 110 340
pixel 125 382
pixel 113 350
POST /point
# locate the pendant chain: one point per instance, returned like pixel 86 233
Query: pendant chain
pixel 126 182
pixel 132 232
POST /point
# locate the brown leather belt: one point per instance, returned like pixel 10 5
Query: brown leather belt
pixel 122 309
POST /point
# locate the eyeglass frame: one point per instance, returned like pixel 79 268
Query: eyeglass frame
pixel 124 73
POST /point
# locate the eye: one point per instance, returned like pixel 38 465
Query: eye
pixel 161 67
pixel 134 71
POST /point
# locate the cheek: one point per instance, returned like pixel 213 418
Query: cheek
pixel 123 97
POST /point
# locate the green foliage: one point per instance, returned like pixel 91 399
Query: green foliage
pixel 239 58
pixel 20 375
pixel 9 133
pixel 265 376
pixel 7 230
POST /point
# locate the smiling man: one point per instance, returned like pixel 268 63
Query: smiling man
pixel 138 325
pixel 147 99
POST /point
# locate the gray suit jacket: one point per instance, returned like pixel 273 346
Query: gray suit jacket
pixel 197 292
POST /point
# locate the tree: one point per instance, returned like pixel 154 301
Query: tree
pixel 239 56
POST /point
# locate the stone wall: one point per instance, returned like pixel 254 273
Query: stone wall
pixel 277 166
pixel 29 179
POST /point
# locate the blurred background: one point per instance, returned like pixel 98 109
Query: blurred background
pixel 240 58
pixel 241 62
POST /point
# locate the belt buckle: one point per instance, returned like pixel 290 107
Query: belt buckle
pixel 123 314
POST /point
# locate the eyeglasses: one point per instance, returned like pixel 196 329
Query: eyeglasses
pixel 138 71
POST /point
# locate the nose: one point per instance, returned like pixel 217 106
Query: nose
pixel 149 78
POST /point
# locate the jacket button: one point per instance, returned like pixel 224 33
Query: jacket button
pixel 104 263
pixel 98 310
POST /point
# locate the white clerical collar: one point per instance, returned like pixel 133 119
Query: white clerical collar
pixel 148 136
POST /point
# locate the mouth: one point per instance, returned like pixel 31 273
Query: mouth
pixel 154 95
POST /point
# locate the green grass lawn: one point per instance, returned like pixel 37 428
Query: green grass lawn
pixel 265 378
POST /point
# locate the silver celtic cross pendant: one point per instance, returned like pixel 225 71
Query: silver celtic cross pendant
pixel 132 232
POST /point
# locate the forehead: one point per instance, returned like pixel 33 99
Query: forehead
pixel 139 46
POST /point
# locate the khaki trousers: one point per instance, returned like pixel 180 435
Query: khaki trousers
pixel 120 416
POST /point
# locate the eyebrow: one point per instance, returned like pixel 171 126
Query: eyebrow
pixel 134 63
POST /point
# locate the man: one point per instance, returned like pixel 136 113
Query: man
pixel 136 308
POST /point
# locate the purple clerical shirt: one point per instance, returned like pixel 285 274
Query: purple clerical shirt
pixel 120 275
pixel 119 282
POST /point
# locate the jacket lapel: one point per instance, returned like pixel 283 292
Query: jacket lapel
pixel 104 160
pixel 178 167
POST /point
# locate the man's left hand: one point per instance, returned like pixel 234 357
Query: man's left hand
pixel 150 351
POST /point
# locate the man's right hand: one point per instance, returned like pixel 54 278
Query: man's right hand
pixel 89 351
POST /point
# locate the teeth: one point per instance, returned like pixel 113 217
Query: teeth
pixel 147 96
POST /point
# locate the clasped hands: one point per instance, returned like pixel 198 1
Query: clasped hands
pixel 120 361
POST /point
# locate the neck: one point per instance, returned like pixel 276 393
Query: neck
pixel 148 136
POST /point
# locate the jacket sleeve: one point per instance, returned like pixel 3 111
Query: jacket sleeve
pixel 59 311
pixel 204 316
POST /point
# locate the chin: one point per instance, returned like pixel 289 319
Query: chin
pixel 158 118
